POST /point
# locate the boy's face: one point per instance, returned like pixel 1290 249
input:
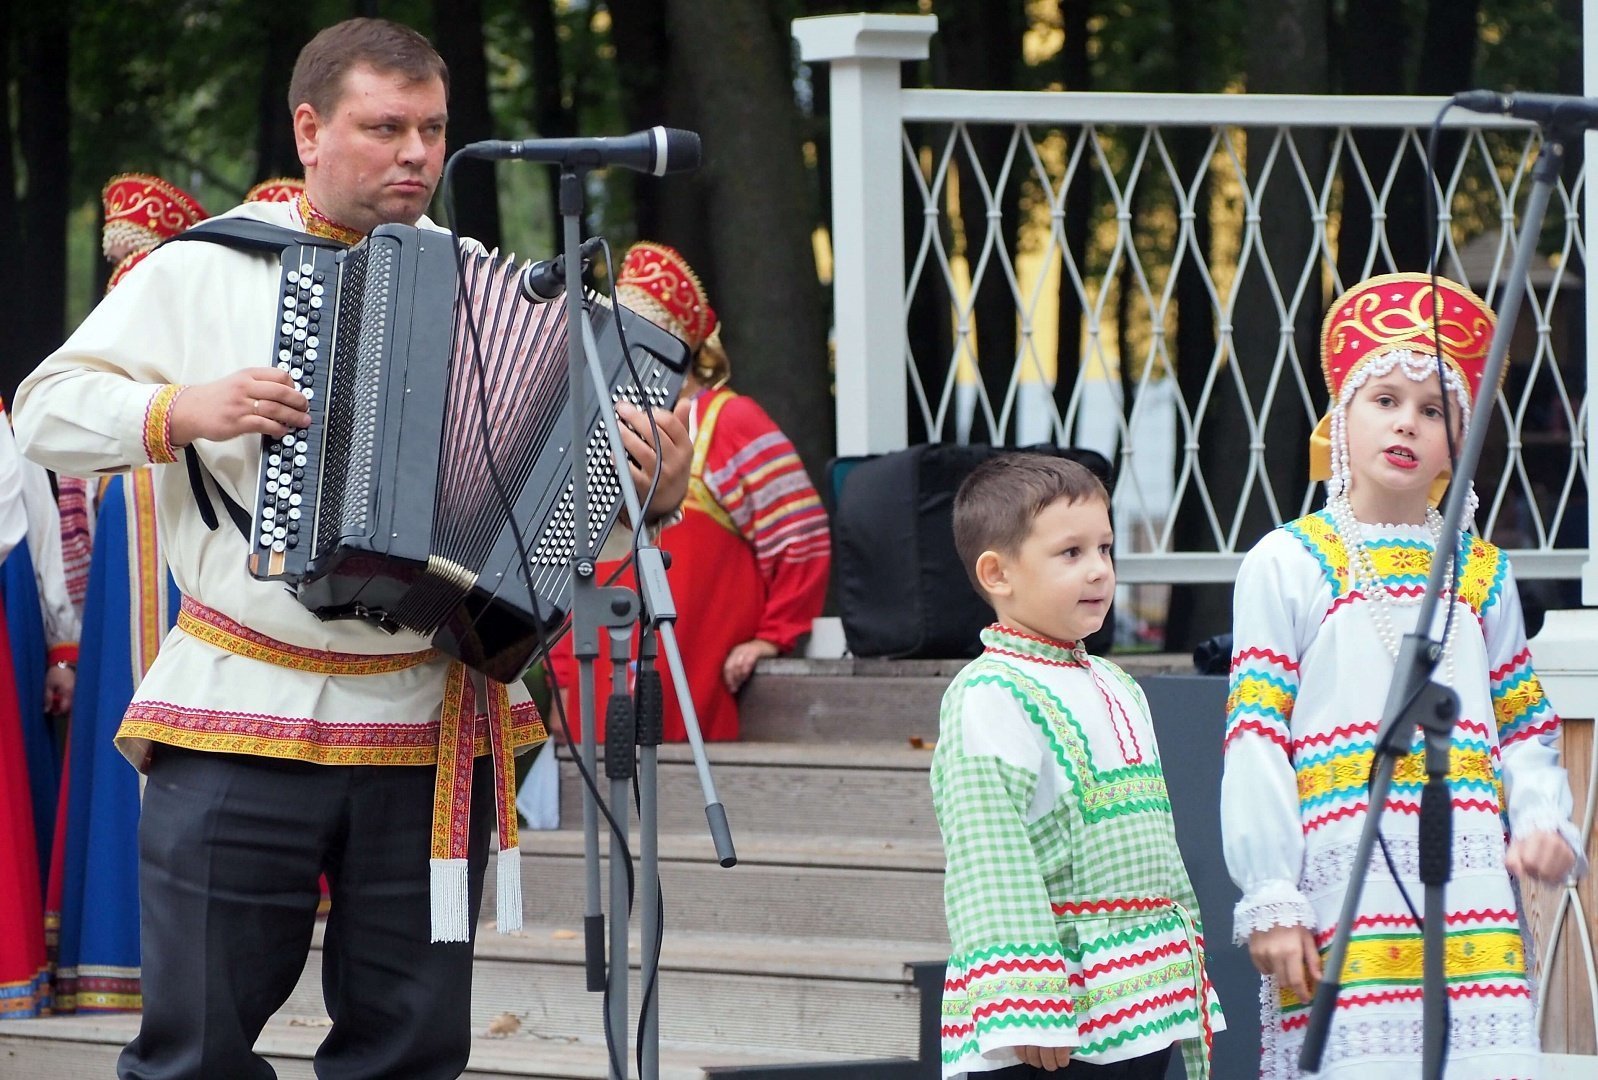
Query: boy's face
pixel 1060 582
pixel 1397 442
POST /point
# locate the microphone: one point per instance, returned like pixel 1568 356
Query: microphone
pixel 657 151
pixel 1554 110
pixel 545 280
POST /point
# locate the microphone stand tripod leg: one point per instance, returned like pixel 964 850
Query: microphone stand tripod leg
pixel 649 735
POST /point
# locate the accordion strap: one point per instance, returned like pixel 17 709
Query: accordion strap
pixel 248 234
pixel 243 234
pixel 202 498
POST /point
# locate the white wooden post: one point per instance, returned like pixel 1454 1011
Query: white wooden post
pixel 868 304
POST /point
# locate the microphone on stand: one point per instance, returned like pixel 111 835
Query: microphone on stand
pixel 1549 109
pixel 657 151
pixel 545 280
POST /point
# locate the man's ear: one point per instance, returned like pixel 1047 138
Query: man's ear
pixel 306 127
pixel 992 574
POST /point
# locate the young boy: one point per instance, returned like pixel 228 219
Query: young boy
pixel 1321 605
pixel 1077 943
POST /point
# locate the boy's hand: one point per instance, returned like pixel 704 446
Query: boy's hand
pixel 1543 856
pixel 1288 954
pixel 1047 1058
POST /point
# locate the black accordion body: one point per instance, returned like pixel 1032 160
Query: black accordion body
pixel 387 508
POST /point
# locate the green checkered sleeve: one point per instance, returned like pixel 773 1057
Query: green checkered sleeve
pixel 1007 982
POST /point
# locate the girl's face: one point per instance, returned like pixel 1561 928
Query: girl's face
pixel 1397 445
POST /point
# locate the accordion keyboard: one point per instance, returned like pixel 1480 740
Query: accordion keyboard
pixel 286 491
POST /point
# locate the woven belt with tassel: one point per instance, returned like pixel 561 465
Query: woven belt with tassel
pixel 452 791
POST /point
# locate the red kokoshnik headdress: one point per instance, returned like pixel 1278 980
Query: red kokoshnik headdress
pixel 1386 322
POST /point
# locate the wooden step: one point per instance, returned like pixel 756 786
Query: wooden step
pixel 786 886
pixel 834 998
pixel 810 788
pixel 81 1047
pixel 799 699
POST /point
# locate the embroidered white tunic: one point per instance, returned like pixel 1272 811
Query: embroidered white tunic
pixel 1310 674
pixel 192 312
pixel 1072 917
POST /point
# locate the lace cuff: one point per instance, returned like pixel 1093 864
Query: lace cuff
pixel 1270 904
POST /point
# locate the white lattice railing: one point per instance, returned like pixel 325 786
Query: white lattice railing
pixel 885 139
pixel 1199 475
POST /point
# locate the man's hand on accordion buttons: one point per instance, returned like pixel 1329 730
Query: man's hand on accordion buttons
pixel 254 401
pixel 676 455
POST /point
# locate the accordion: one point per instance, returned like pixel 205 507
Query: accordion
pixel 433 489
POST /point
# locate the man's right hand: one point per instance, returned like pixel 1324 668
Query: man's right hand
pixel 1289 954
pixel 255 401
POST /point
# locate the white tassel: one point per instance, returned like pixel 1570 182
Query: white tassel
pixel 508 891
pixel 447 888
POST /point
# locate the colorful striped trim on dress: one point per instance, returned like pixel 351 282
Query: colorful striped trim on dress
pixel 1520 707
pixel 25 999
pixel 699 496
pixel 1403 565
pixel 98 988
pixel 148 614
pixel 158 425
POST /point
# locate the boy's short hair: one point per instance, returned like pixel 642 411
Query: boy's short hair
pixel 380 44
pixel 997 503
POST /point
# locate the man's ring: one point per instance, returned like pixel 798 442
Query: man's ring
pixel 255 405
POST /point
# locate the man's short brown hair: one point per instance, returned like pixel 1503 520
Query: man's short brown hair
pixel 380 44
pixel 996 505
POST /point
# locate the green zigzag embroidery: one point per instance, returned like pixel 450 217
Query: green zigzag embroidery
pixel 1132 789
pixel 1014 1020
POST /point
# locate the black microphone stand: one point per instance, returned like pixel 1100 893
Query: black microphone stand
pixel 616 610
pixel 1414 698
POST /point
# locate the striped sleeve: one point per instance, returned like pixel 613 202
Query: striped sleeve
pixel 1262 836
pixel 754 473
pixel 1536 789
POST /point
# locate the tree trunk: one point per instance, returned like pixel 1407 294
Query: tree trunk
pixel 284 31
pixel 980 47
pixel 43 138
pixel 760 273
pixel 552 117
pixel 1373 43
pixel 657 87
pixel 1286 55
pixel 458 34
pixel 1077 75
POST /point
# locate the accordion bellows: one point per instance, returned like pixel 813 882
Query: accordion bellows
pixel 433 490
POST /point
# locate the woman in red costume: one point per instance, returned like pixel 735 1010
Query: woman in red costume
pixel 750 557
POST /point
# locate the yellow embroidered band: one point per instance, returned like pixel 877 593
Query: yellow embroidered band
pixel 158 425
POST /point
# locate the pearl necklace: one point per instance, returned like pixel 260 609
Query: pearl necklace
pixel 1364 579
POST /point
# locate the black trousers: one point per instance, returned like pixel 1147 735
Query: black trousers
pixel 230 848
pixel 1149 1067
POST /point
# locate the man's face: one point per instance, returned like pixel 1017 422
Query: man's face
pixel 375 159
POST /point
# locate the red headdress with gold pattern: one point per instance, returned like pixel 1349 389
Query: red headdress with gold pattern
pixel 277 189
pixel 143 210
pixel 1388 320
pixel 657 283
pixel 140 212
